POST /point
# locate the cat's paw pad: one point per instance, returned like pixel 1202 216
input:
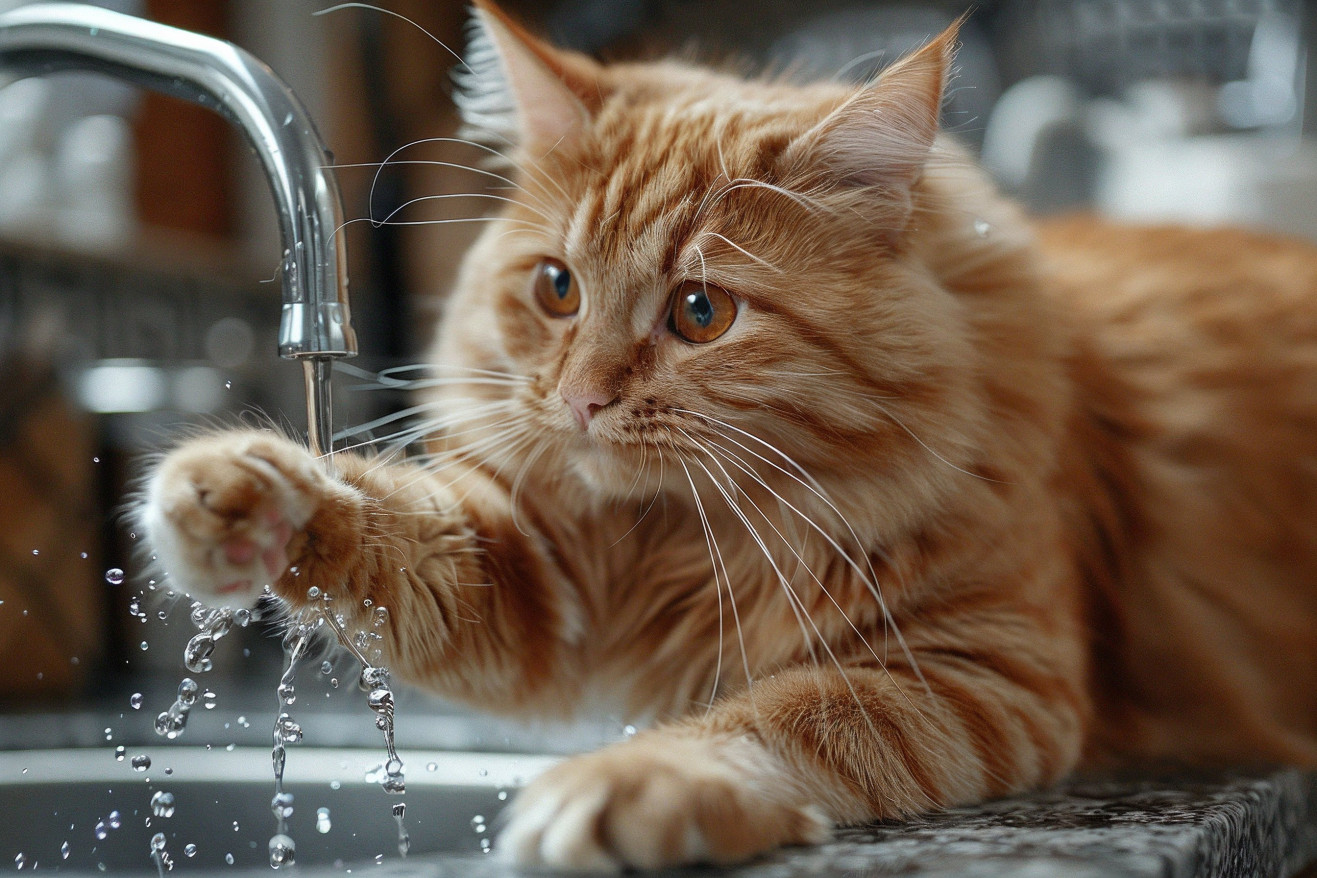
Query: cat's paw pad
pixel 220 513
pixel 658 801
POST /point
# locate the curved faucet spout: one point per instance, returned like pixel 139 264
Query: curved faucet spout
pixel 315 323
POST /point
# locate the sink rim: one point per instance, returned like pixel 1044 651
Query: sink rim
pixel 196 765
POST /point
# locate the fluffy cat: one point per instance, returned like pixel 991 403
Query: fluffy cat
pixel 768 418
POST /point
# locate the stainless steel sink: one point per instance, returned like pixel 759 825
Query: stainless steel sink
pixel 59 805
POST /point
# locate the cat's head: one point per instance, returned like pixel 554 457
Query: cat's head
pixel 704 268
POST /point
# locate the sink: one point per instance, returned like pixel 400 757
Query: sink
pixel 54 798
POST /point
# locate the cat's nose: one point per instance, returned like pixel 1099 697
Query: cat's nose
pixel 584 402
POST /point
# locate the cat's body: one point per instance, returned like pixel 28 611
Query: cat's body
pixel 1006 499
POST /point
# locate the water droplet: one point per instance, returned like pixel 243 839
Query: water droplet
pixel 313 593
pixel 282 805
pixel 187 691
pixel 158 842
pixel 20 861
pixel 485 845
pixel 334 784
pixel 432 766
pixel 114 576
pixel 283 851
pixel 145 646
pixel 982 227
pixel 135 701
pixel 326 668
pixel 287 693
pixel 36 551
pixel 323 823
pixel 189 850
pixel 629 731
pixel 119 753
pixel 162 804
pixel 141 762
pixel 115 820
pixel 209 700
pixel 64 851
pixel 478 823
pixel 502 795
pixel 228 858
pixel 100 831
pixel 228 385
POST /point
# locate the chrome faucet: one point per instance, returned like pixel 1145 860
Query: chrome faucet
pixel 315 325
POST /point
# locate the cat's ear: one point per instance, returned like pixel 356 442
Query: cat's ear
pixel 881 136
pixel 521 88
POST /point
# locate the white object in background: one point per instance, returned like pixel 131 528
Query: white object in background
pixel 1242 179
pixel 1021 120
pixel 93 179
pixel 25 198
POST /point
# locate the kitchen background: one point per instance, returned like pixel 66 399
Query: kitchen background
pixel 139 257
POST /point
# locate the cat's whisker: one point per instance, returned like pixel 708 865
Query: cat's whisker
pixel 423 199
pixel 735 461
pixel 390 162
pixel 911 433
pixel 537 450
pixel 717 563
pixel 746 253
pixel 793 599
pixel 805 480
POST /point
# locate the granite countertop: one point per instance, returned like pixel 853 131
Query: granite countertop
pixel 1236 825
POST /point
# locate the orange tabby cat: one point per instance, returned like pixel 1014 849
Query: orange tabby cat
pixel 770 420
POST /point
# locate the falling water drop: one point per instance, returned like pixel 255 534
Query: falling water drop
pixel 982 227
pixel 323 824
pixel 190 850
pixel 114 576
pixel 141 762
pixel 162 804
pixel 135 701
pixel 404 840
pixel 64 851
pixel 119 753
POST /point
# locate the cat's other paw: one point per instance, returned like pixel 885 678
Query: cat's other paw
pixel 221 512
pixel 659 800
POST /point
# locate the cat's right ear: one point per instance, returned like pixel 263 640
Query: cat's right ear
pixel 520 88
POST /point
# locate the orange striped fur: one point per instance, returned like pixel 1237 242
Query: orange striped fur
pixel 956 504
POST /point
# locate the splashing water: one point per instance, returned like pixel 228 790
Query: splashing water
pixel 283 850
pixel 171 723
pixel 162 804
pixel 163 862
pixel 404 840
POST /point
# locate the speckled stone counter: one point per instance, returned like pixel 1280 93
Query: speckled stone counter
pixel 1234 826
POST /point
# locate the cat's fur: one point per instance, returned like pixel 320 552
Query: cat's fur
pixel 954 506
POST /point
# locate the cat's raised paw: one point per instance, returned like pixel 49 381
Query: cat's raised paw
pixel 220 513
pixel 658 800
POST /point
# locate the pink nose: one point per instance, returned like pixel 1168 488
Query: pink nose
pixel 585 402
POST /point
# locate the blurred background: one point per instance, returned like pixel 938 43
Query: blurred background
pixel 139 256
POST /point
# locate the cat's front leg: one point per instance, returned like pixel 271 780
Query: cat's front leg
pixel 804 749
pixel 476 607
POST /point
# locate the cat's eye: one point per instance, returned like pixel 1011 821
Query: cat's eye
pixel 555 288
pixel 701 312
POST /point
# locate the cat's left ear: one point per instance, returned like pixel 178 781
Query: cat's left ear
pixel 522 88
pixel 881 136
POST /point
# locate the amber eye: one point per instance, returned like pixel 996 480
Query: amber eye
pixel 556 288
pixel 701 312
